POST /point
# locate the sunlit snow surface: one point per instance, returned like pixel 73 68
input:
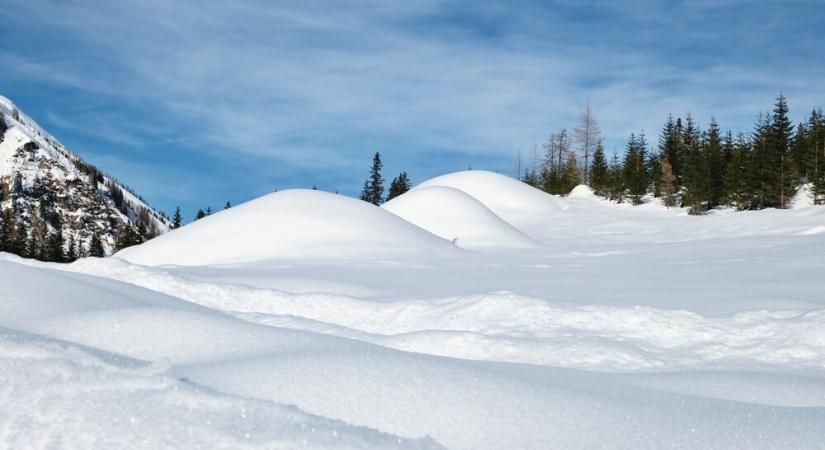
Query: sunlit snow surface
pixel 548 323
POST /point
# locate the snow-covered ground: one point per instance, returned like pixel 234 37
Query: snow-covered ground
pixel 473 312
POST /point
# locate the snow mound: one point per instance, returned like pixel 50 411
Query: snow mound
pixel 512 200
pixel 455 215
pixel 292 224
pixel 581 191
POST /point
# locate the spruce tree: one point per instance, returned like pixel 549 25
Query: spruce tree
pixel 7 228
pixel 668 183
pixel 373 191
pixel 127 236
pixel 780 138
pixel 715 165
pixel 55 244
pixel 571 176
pixel 599 171
pixel 634 170
pixel 229 205
pixel 176 219
pixel 615 178
pixel 398 186
pixel 20 238
pixel 96 246
pixel 200 215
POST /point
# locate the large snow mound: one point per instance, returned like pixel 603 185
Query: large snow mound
pixel 292 224
pixel 512 200
pixel 456 216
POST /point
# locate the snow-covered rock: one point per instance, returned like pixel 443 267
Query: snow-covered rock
pixel 47 186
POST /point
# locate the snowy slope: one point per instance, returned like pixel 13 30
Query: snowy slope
pixel 510 199
pixel 629 327
pixel 43 175
pixel 291 224
pixel 452 214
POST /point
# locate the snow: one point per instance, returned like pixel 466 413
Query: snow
pixel 626 327
pixel 296 223
pixel 454 215
pixel 512 200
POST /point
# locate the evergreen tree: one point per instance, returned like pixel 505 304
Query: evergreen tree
pixel 208 211
pixel 715 165
pixel 670 145
pixel 780 138
pixel 96 246
pixel 634 170
pixel 7 228
pixel 229 205
pixel 374 186
pixel 694 175
pixel 55 246
pixel 20 237
pixel 71 249
pixel 176 218
pixel 599 171
pixel 200 215
pixel 3 127
pixel 615 179
pixel 127 236
pixel 399 185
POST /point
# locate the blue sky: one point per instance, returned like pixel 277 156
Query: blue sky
pixel 195 103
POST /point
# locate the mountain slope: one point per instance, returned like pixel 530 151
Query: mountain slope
pixel 50 197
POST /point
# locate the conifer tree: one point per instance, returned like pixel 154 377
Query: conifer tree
pixel 634 170
pixel 399 185
pixel 127 236
pixel 200 215
pixel 780 138
pixel 96 246
pixel 176 219
pixel 373 191
pixel 229 205
pixel 571 176
pixel 20 238
pixel 7 228
pixel 615 178
pixel 715 165
pixel 55 246
pixel 599 171
pixel 71 249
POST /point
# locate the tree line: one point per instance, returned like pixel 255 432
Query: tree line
pixel 689 167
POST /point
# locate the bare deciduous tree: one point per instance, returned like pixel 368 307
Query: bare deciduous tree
pixel 587 135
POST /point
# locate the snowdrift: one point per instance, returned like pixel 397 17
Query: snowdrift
pixel 292 224
pixel 455 215
pixel 510 199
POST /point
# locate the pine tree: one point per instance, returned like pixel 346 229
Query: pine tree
pixel 176 219
pixel 3 127
pixel 694 168
pixel 7 229
pixel 634 170
pixel 208 211
pixel 670 145
pixel 615 178
pixel 599 172
pixel 55 244
pixel 20 238
pixel 715 166
pixel 127 236
pixel 200 215
pixel 96 247
pixel 71 249
pixel 781 136
pixel 374 186
pixel 398 186
pixel 229 205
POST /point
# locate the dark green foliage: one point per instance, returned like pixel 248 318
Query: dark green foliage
pixel 200 215
pixel 634 169
pixel 715 162
pixel 399 185
pixel 3 127
pixel 176 219
pixel 55 250
pixel 599 172
pixel 373 191
pixel 96 247
pixel 8 227
pixel 127 236
pixel 227 205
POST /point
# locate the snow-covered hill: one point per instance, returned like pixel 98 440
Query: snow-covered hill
pixel 47 187
pixel 623 327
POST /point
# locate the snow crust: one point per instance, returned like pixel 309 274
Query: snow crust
pixel 456 216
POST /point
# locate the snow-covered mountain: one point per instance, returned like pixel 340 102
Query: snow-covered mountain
pixel 46 187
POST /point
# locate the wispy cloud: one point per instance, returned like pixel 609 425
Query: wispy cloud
pixel 315 87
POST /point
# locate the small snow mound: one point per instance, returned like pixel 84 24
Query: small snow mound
pixel 292 224
pixel 581 191
pixel 512 200
pixel 455 215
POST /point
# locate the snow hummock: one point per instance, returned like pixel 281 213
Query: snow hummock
pixel 629 327
pixel 510 199
pixel 296 223
pixel 582 191
pixel 455 215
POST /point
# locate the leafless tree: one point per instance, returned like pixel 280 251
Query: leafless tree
pixel 587 135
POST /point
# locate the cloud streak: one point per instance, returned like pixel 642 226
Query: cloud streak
pixel 300 88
